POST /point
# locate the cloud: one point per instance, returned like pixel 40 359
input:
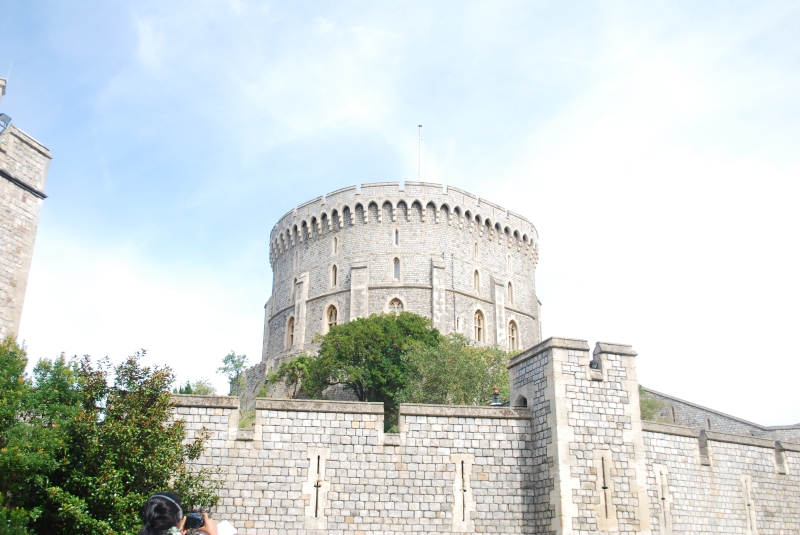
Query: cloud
pixel 104 301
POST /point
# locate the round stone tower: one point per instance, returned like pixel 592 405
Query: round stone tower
pixel 463 262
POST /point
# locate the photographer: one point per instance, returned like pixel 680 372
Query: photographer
pixel 162 514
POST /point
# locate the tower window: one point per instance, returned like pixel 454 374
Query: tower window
pixel 510 293
pixel 479 330
pixel 294 291
pixel 397 237
pixel 396 306
pixel 396 268
pixel 458 323
pixel 290 333
pixel 334 276
pixel 475 251
pixel 513 337
pixel 476 281
pixel 333 317
pixel 335 245
pixel 508 263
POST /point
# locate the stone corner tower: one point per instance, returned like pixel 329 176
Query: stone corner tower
pixel 24 163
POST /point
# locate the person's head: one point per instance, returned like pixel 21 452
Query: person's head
pixel 161 512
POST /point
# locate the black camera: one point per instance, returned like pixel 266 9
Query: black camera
pixel 194 521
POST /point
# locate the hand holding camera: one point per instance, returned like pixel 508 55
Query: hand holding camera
pixel 199 522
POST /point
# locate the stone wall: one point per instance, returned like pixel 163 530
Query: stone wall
pixel 324 465
pixel 710 482
pixel 571 457
pixel 24 163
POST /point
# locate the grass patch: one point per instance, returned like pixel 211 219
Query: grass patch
pixel 247 419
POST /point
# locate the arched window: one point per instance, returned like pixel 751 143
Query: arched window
pixel 510 293
pixel 290 333
pixel 458 323
pixel 335 245
pixel 333 317
pixel 475 251
pixel 397 237
pixel 294 291
pixel 396 269
pixel 334 276
pixel 508 263
pixel 396 306
pixel 513 337
pixel 478 323
pixel 476 281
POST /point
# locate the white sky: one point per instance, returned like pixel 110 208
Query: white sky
pixel 654 146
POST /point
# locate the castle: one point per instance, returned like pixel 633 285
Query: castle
pixel 24 163
pixel 570 455
pixel 465 263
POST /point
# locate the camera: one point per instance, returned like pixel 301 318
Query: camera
pixel 194 521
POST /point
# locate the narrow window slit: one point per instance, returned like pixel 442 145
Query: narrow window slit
pixel 317 486
pixel 463 494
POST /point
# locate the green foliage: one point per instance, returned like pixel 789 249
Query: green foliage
pixel 291 375
pixel 650 407
pixel 233 367
pixel 79 454
pixel 456 373
pixel 247 418
pixel 368 357
pixel 201 387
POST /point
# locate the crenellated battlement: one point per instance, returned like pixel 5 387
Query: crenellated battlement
pixel 354 205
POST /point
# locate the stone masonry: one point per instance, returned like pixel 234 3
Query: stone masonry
pixel 24 163
pixel 572 456
pixel 338 252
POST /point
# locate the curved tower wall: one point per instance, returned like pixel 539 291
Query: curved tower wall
pixel 440 237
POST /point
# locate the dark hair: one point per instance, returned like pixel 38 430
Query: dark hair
pixel 161 511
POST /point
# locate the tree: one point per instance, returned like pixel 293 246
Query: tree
pixel 367 356
pixel 292 375
pixel 233 366
pixel 81 454
pixel 201 387
pixel 456 373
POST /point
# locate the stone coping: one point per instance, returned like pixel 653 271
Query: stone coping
pixel 550 343
pixel 789 446
pixel 670 429
pixel 716 436
pixel 614 349
pixel 219 402
pixel 464 411
pixel 730 438
pixel 316 405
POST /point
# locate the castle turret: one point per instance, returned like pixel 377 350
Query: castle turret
pixel 24 163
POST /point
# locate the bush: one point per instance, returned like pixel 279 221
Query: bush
pixel 650 408
pixel 456 373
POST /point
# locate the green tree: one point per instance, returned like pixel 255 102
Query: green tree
pixel 233 367
pixel 81 454
pixel 456 373
pixel 201 387
pixel 368 357
pixel 291 375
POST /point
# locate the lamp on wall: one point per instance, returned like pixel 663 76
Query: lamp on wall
pixel 5 120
